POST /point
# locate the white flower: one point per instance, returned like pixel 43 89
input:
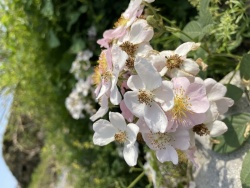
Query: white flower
pixel 83 86
pixel 103 108
pixel 175 63
pixel 149 90
pixel 117 130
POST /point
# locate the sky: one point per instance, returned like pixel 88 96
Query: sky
pixel 7 180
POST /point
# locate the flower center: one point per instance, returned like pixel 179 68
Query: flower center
pixel 173 61
pixel 129 48
pixel 121 22
pixel 181 105
pixel 130 63
pixel 121 137
pixel 160 140
pixel 145 97
pixel 201 129
pixel 107 75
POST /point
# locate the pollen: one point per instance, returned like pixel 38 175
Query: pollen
pixel 121 22
pixel 201 129
pixel 173 61
pixel 181 105
pixel 160 140
pixel 121 137
pixel 102 62
pixel 145 96
pixel 130 63
pixel 129 48
pixel 96 77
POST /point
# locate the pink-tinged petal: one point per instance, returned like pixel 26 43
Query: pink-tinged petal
pixel 217 128
pixel 132 131
pixel 109 58
pixel 149 75
pixel 190 66
pixel 143 126
pixel 104 89
pixel 198 80
pixel 135 83
pixel 115 96
pixel 140 32
pixel 132 102
pixel 130 154
pixel 126 112
pixel 143 48
pixel 132 8
pixel 102 110
pixel 209 83
pixel 181 82
pixel 155 118
pixel 192 119
pixel 198 100
pixel 216 92
pixel 103 42
pixel 184 48
pixel 165 95
pixel 119 58
pixel 117 120
pixel 181 139
pixel 223 104
pixel 212 113
pixel 168 154
pixel 104 132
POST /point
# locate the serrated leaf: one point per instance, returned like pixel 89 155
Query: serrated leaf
pixel 193 29
pixel 205 18
pixel 245 171
pixel 234 92
pixel 245 67
pixel 204 5
pixel 234 137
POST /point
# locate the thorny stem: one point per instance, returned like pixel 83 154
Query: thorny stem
pixel 136 180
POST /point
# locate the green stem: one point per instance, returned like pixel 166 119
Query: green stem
pixel 228 55
pixel 235 70
pixel 136 180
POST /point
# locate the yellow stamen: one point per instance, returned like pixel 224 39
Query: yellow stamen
pixel 121 22
pixel 121 137
pixel 173 61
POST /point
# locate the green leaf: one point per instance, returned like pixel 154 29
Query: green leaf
pixel 234 137
pixel 53 41
pixel 193 29
pixel 77 46
pixel 245 171
pixel 233 92
pixel 48 9
pixel 204 5
pixel 245 67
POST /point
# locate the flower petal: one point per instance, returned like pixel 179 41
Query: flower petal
pixel 168 154
pixel 149 75
pixel 223 104
pixel 155 118
pixel 181 139
pixel 102 110
pixel 135 83
pixel 217 128
pixel 115 96
pixel 132 102
pixel 184 48
pixel 181 82
pixel 104 132
pixel 130 154
pixel 117 120
pixel 105 87
pixel 190 66
pixel 119 58
pixel 215 91
pixel 132 131
pixel 126 112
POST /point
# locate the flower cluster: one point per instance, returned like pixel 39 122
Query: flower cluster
pixel 160 96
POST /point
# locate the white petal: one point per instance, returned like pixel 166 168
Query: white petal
pixel 155 118
pixel 217 128
pixel 115 96
pixel 181 139
pixel 132 102
pixel 104 132
pixel 184 48
pixel 149 75
pixel 165 95
pixel 105 87
pixel 217 92
pixel 119 58
pixel 168 154
pixel 143 49
pixel 167 53
pixel 117 120
pixel 135 83
pixel 212 113
pixel 190 66
pixel 140 32
pixel 130 154
pixel 223 104
pixel 102 110
pixel 132 131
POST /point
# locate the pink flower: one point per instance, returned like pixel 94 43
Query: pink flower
pixel 165 144
pixel 190 104
pixel 117 130
pixel 148 91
